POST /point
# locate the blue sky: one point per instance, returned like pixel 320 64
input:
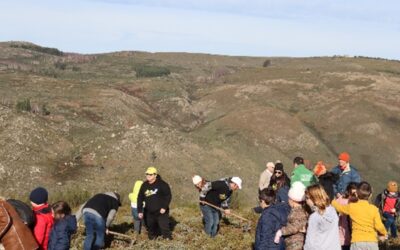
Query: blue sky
pixel 231 27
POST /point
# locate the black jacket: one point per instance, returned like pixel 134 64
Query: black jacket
pixel 327 181
pixel 156 196
pixel 381 199
pixel 103 204
pixel 219 194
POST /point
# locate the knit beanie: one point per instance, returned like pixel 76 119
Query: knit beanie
pixel 196 179
pixel 344 157
pixel 297 191
pixel 38 196
pixel 392 186
pixel 319 169
pixel 279 166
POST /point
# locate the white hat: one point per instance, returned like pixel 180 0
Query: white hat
pixel 196 179
pixel 237 181
pixel 297 191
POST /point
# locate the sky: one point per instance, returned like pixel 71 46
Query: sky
pixel 293 28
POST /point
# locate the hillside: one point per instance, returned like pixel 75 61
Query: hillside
pixel 97 121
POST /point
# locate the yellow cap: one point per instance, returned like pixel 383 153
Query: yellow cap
pixel 151 170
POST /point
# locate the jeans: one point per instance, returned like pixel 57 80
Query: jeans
pixel 390 223
pixel 95 230
pixel 137 222
pixel 211 218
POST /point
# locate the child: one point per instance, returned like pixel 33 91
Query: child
pixel 293 232
pixel 64 226
pixel 272 219
pixel 322 230
pixel 389 205
pixel 137 222
pixel 365 219
pixel 350 195
pixel 43 216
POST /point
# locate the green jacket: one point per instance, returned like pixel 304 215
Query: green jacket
pixel 305 176
pixel 135 192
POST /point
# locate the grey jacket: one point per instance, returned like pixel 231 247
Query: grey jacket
pixel 323 231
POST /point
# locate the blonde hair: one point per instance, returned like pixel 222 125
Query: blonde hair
pixel 318 196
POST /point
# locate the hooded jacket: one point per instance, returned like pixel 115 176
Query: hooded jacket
pixel 323 231
pixel 271 220
pixel 156 196
pixel 60 236
pixel 14 234
pixel 44 223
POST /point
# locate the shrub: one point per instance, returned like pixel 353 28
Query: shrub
pixel 60 65
pixel 267 63
pixel 45 111
pixel 151 71
pixel 46 50
pixel 24 105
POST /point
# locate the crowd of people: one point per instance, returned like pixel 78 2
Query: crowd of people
pixel 311 209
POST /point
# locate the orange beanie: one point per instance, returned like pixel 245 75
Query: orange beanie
pixel 344 157
pixel 319 169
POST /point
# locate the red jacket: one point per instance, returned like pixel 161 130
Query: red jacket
pixel 44 223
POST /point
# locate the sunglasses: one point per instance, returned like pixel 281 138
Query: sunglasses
pixel 278 172
pixel 150 174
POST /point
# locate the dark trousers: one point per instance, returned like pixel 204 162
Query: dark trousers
pixel 390 224
pixel 158 223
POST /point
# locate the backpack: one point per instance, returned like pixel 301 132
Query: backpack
pixel 24 211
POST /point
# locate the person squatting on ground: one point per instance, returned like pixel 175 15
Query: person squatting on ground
pixel 365 219
pixel 64 226
pixel 14 234
pixel 156 194
pixel 273 217
pixel 43 216
pixel 346 173
pixel 294 230
pixel 133 197
pixel 98 213
pixel 217 193
pixel 388 203
pixel 322 228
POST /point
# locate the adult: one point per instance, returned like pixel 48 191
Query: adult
pixel 14 234
pixel 98 213
pixel 302 174
pixel 217 194
pixel 346 173
pixel 265 176
pixel 156 194
pixel 326 179
pixel 280 183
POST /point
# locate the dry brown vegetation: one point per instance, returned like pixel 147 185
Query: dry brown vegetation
pixel 211 115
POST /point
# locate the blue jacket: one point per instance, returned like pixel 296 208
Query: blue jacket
pixel 271 220
pixel 282 194
pixel 350 174
pixel 61 233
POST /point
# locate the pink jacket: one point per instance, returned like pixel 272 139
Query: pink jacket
pixel 344 225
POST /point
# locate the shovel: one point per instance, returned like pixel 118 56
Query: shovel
pixel 132 241
pixel 246 227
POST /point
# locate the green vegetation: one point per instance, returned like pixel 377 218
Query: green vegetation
pixel 24 105
pixel 151 71
pixel 46 50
